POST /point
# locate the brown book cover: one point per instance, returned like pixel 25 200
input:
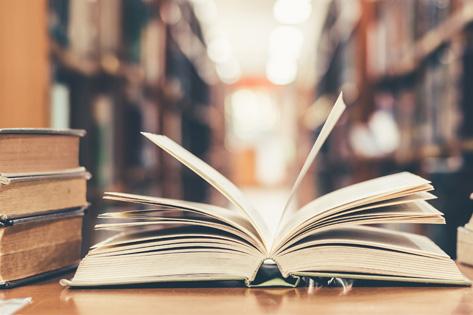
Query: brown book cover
pixel 24 194
pixel 38 247
pixel 26 150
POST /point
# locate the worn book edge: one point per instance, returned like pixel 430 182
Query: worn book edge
pixel 43 131
pixel 9 178
pixel 39 277
pixel 7 221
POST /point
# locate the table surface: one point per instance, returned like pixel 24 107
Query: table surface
pixel 50 298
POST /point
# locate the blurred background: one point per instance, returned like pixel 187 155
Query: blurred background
pixel 245 85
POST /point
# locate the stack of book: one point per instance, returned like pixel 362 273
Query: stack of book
pixel 465 242
pixel 42 201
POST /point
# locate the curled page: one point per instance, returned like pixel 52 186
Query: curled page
pixel 214 178
pixel 329 124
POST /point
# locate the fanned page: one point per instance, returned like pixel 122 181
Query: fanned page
pixel 361 194
pixel 168 240
pixel 327 128
pixel 232 218
pixel 330 122
pixel 214 178
pixel 371 253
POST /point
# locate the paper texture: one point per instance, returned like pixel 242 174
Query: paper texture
pixel 214 178
pixel 327 128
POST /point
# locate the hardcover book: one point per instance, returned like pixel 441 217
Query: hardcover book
pixel 27 150
pixel 36 247
pixel 332 236
pixel 24 194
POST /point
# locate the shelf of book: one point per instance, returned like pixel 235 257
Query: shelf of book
pixel 406 71
pixel 428 44
pixel 130 70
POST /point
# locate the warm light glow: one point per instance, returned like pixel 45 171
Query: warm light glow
pixel 252 114
pixel 229 71
pixel 206 11
pixel 285 46
pixel 292 11
pixel 286 42
pixel 219 50
pixel 281 71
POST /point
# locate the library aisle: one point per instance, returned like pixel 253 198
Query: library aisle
pixel 249 95
pixel 246 86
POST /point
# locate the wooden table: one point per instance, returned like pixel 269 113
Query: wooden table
pixel 50 298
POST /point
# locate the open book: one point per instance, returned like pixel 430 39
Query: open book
pixel 175 240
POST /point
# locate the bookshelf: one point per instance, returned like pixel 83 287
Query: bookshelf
pixel 436 38
pixel 405 68
pixel 136 66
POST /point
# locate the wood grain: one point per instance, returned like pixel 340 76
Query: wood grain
pixel 50 298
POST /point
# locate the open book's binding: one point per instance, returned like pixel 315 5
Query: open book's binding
pixel 266 276
pixel 269 275
pixel 325 238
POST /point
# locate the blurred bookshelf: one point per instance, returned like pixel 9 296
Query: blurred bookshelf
pixel 405 68
pixel 24 65
pixel 122 67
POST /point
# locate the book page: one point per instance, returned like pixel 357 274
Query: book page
pixel 235 219
pixel 214 178
pixel 373 237
pixel 417 212
pixel 327 128
pixel 359 194
pixel 369 251
pixel 174 266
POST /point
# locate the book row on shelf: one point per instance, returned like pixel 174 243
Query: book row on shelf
pixel 121 67
pixel 408 84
